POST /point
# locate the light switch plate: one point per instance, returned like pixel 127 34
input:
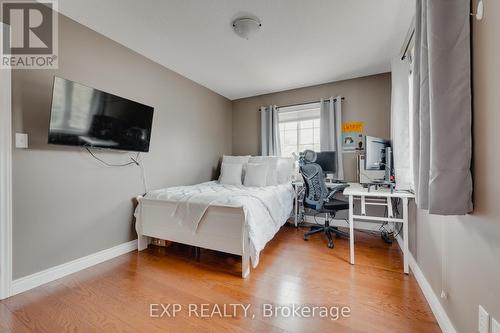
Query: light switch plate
pixel 495 326
pixel 483 321
pixel 21 140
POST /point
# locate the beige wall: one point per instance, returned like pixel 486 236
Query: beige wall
pixel 462 254
pixel 367 99
pixel 68 205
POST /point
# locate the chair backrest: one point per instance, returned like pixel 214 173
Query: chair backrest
pixel 314 180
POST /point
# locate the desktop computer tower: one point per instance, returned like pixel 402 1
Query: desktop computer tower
pixel 388 165
pixel 371 176
pixel 367 176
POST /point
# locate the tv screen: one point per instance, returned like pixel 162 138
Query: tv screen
pixel 83 116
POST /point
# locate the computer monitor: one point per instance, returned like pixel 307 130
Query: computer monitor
pixel 375 153
pixel 327 161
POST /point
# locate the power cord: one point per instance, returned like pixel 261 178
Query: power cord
pixel 315 220
pixel 137 160
pixel 134 160
pixel 390 235
pixel 143 175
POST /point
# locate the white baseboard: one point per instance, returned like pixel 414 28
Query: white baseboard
pixel 399 239
pixel 432 299
pixel 361 225
pixel 37 279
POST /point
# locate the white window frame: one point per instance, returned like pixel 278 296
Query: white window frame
pixel 298 107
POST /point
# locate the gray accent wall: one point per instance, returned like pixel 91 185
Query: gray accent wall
pixel 461 254
pixel 367 99
pixel 68 205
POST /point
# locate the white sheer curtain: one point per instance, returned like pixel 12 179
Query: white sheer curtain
pixel 400 123
pixel 331 130
pixel 269 131
pixel 442 112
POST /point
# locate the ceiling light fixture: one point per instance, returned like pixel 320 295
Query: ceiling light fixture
pixel 246 27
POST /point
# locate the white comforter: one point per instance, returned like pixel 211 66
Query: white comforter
pixel 266 208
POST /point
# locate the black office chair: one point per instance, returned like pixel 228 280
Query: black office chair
pixel 319 199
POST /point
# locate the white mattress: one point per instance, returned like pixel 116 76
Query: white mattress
pixel 266 208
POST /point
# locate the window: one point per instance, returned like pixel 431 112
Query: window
pixel 299 128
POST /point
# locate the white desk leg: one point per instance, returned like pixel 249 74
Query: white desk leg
pixel 390 211
pixel 351 229
pixel 405 235
pixel 296 207
pixel 363 205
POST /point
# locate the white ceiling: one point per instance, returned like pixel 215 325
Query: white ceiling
pixel 301 43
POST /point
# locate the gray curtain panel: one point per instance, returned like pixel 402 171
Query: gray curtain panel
pixel 442 112
pixel 331 130
pixel 269 131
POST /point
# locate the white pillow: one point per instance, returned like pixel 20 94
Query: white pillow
pixel 285 170
pixel 256 174
pixel 230 174
pixel 227 159
pixel 235 159
pixel 272 167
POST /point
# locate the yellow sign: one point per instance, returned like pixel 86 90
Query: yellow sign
pixel 352 126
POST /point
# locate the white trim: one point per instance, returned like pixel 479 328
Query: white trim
pixel 5 181
pixel 399 239
pixel 432 299
pixel 37 279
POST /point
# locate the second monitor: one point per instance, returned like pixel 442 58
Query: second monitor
pixel 327 161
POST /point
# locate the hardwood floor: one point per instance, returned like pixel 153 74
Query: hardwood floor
pixel 116 295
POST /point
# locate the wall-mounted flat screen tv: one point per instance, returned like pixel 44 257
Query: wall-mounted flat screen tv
pixel 87 117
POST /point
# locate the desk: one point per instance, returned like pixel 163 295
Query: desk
pixel 357 190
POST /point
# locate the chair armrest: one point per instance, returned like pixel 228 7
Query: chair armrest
pixel 337 189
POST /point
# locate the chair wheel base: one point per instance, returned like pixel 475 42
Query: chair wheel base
pixel 328 231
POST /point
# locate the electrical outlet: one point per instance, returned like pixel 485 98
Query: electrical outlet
pixel 495 326
pixel 21 140
pixel 483 321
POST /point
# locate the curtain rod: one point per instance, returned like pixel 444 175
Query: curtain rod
pixel 297 104
pixel 408 40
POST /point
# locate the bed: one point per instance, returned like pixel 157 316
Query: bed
pixel 234 219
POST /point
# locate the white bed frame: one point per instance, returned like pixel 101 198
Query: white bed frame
pixel 221 229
